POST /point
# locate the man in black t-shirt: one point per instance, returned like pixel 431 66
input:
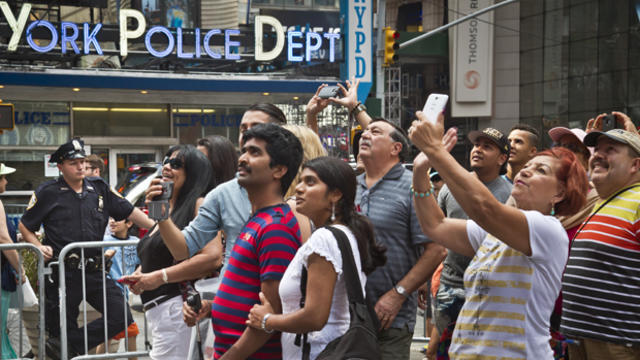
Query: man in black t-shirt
pixel 72 209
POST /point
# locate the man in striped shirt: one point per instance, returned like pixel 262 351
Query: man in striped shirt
pixel 601 284
pixel 270 159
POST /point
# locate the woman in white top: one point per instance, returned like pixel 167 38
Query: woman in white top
pixel 326 195
pixel 518 253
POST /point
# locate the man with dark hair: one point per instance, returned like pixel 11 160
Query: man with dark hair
pixel 274 113
pixel 384 195
pixel 224 208
pixel 269 162
pixel 74 208
pixel 523 140
pixel 95 166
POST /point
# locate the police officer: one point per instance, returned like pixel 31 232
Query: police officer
pixel 74 208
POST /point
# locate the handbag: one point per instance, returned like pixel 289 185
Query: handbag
pixel 360 341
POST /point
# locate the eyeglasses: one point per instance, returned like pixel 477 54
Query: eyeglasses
pixel 174 163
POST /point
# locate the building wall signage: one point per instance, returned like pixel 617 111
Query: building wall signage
pixel 84 38
pixel 472 60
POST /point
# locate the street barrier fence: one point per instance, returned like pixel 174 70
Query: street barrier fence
pixel 62 261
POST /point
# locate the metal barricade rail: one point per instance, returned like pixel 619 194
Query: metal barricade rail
pixel 62 304
pixel 41 271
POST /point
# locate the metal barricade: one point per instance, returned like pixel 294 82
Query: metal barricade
pixel 62 304
pixel 41 272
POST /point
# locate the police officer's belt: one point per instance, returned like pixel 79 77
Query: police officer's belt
pixel 91 263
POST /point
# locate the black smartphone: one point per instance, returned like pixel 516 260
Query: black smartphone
pixel 159 206
pixel 329 92
pixel 608 122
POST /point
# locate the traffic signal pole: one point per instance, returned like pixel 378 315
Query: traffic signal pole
pixel 455 22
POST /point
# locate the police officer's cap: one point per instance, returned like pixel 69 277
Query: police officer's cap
pixel 74 149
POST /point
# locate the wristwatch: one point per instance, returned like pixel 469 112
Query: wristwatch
pixel 401 290
pixel 358 109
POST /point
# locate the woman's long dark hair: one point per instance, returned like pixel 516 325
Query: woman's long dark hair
pixel 198 173
pixel 223 158
pixel 337 174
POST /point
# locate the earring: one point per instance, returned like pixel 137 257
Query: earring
pixel 333 212
pixel 553 210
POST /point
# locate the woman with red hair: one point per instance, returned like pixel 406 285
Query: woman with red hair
pixel 518 253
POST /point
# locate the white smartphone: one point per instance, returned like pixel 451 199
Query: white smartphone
pixel 436 103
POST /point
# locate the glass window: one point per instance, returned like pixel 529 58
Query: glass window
pixel 38 124
pixel 634 89
pixel 612 90
pixel 195 122
pixel 583 93
pixel 613 50
pixel 584 57
pixel 583 22
pixel 326 3
pixel 531 66
pixel 29 165
pixel 111 119
pixel 532 28
pixel 531 100
pixel 613 17
pixel 554 94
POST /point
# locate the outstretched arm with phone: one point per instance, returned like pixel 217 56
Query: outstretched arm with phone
pixel 598 124
pixel 349 100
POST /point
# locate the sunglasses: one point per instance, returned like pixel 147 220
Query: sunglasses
pixel 174 163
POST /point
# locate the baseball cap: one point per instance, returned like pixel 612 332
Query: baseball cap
pixel 558 132
pixel 73 149
pixel 5 170
pixel 619 135
pixel 494 135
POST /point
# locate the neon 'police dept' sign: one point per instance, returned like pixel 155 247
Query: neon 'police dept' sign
pixel 70 32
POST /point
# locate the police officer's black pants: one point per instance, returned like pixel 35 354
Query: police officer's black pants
pixel 116 306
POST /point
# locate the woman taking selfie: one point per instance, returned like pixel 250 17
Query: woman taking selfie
pixel 518 253
pixel 325 194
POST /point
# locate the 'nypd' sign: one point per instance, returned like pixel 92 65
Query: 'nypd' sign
pixel 358 17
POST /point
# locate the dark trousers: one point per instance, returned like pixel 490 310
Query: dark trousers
pixel 116 307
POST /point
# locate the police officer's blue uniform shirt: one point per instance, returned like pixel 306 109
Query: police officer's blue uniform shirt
pixel 68 216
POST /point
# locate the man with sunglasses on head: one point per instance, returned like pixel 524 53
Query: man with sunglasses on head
pixel 73 208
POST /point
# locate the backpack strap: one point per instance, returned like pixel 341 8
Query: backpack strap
pixel 301 339
pixel 352 283
pixel 349 268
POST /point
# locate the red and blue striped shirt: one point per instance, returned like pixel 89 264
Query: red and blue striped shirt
pixel 262 251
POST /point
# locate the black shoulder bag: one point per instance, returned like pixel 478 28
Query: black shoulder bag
pixel 360 340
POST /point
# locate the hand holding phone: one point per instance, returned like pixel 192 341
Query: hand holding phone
pixel 436 103
pixel 608 122
pixel 126 281
pixel 329 92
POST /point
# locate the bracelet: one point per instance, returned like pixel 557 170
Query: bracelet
pixel 421 194
pixel 263 324
pixel 165 278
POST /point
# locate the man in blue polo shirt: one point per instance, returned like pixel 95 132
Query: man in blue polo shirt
pixel 384 196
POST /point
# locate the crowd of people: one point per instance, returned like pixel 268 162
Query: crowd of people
pixel 538 248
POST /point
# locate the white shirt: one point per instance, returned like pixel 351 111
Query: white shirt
pixel 509 296
pixel 323 243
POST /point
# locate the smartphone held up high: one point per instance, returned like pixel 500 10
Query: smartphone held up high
pixel 436 103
